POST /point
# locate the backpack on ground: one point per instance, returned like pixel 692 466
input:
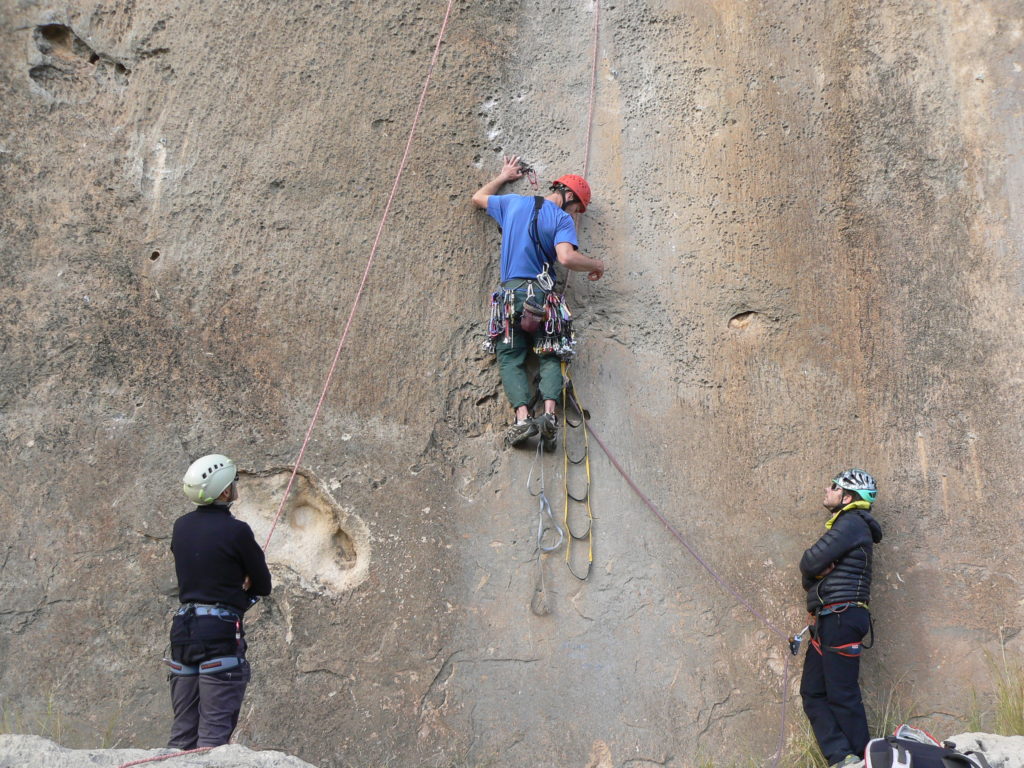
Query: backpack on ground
pixel 911 747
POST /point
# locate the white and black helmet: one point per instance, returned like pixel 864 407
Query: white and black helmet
pixel 858 481
pixel 207 478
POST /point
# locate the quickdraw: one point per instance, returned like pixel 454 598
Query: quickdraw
pixel 573 501
pixel 501 322
pixel 559 337
pixel 530 174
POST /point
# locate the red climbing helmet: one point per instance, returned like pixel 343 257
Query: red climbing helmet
pixel 579 187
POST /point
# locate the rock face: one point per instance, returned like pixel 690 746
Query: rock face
pixel 810 214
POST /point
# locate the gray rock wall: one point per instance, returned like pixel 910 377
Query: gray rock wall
pixel 810 217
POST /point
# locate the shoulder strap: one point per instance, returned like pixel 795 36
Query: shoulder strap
pixel 538 201
pixel 900 759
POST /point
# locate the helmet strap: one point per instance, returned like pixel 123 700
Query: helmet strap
pixel 562 190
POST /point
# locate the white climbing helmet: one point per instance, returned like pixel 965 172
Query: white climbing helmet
pixel 207 478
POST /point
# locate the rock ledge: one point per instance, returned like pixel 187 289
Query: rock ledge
pixel 37 752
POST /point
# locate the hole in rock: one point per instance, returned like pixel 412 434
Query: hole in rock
pixel 742 320
pixel 154 255
pixel 57 36
pixel 61 41
pixel 322 543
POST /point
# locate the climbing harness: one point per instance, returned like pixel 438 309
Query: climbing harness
pixel 574 503
pixel 534 315
pixel 851 650
pixel 203 609
pixel 554 336
pixel 217 664
pixel 831 608
pixel 547 527
pixel 208 667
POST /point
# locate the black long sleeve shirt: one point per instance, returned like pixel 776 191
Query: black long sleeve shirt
pixel 213 553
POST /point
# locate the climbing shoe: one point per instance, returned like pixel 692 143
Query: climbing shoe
pixel 848 762
pixel 547 427
pixel 520 432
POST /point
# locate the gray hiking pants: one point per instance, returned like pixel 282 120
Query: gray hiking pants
pixel 206 707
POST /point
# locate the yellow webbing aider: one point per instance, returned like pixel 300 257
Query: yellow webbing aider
pixel 571 499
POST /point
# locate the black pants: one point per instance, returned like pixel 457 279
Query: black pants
pixel 206 707
pixel 829 687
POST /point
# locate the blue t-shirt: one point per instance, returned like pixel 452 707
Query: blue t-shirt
pixel 520 258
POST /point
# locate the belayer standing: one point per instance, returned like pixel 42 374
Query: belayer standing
pixel 221 569
pixel 535 233
pixel 836 573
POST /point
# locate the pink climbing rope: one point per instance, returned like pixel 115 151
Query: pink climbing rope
pixel 593 88
pixel 165 757
pixel 590 112
pixel 348 325
pixel 625 475
pixel 714 574
pixel 366 273
pixel 675 532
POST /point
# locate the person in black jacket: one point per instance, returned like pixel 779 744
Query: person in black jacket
pixel 836 573
pixel 221 569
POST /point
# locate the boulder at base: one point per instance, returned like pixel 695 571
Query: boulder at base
pixel 37 752
pixel 1001 751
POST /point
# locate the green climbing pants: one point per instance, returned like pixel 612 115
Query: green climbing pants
pixel 512 364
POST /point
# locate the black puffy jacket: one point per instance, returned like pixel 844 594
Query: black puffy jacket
pixel 848 546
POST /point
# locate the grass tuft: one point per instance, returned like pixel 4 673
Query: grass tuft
pixel 891 708
pixel 1008 677
pixel 802 750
